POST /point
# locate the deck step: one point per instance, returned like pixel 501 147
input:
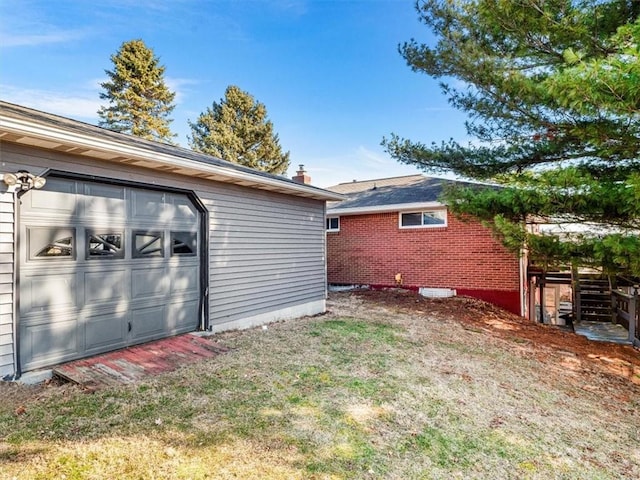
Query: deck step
pixel 596 308
pixel 594 295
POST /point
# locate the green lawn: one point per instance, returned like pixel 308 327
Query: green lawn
pixel 364 392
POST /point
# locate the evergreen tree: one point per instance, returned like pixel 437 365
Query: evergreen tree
pixel 552 89
pixel 139 100
pixel 237 130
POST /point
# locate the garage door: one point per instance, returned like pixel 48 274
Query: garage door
pixel 103 267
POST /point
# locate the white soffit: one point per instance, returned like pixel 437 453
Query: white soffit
pixel 38 142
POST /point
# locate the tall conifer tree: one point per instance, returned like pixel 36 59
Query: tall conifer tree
pixel 139 100
pixel 237 130
pixel 552 89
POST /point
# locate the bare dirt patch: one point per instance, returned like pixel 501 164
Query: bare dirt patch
pixel 548 343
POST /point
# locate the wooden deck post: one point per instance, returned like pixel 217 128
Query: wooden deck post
pixel 532 299
pixel 633 315
pixel 575 284
pixel 542 282
pixel 614 299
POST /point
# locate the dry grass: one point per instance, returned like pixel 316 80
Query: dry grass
pixel 366 391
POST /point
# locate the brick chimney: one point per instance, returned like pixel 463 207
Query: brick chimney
pixel 301 176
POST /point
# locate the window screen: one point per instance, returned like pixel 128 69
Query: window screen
pixel 411 219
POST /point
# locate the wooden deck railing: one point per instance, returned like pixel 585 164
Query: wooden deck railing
pixel 627 313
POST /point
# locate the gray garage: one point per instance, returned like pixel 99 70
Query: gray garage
pixel 130 241
pixel 104 267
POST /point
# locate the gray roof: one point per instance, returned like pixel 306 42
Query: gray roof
pixel 348 188
pixel 390 191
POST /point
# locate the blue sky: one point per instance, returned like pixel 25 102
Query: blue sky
pixel 328 71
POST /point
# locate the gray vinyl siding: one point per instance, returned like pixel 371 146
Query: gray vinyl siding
pixel 6 283
pixel 266 252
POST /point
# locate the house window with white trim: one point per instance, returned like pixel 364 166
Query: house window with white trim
pixel 423 219
pixel 333 224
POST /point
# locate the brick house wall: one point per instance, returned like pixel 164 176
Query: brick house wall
pixel 371 249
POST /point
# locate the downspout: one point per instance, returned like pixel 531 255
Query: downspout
pixel 14 284
pixel 324 253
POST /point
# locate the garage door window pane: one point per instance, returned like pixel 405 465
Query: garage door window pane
pixel 51 243
pixel 183 243
pixel 105 245
pixel 148 244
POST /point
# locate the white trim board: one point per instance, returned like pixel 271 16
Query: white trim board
pixel 398 207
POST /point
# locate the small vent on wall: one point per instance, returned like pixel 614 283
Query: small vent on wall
pixel 437 292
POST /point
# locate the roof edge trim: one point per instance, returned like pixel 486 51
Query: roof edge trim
pixel 398 207
pixel 42 131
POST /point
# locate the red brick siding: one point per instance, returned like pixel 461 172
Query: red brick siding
pixel 372 249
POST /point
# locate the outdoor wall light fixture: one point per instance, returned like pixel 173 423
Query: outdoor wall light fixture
pixel 23 181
